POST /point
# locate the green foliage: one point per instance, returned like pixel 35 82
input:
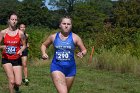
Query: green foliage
pixel 114 61
pixel 2 27
pixel 136 49
pixel 33 13
pixel 116 36
pixel 103 6
pixel 89 16
pixel 36 37
pixel 6 7
pixel 66 5
pixel 127 13
pixel 124 33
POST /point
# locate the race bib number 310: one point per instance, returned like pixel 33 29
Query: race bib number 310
pixel 11 50
pixel 62 55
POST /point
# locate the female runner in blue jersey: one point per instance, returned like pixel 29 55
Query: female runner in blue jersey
pixel 63 66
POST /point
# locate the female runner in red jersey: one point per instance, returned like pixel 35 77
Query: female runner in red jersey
pixel 11 54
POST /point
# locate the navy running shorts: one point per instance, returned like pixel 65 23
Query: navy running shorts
pixel 67 71
pixel 16 62
pixel 25 52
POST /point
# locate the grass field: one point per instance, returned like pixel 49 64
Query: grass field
pixel 88 80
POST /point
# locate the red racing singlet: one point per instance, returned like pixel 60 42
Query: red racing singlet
pixel 12 46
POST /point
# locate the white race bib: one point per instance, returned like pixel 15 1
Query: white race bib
pixel 11 50
pixel 63 55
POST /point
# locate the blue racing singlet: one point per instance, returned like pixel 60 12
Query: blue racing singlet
pixel 64 51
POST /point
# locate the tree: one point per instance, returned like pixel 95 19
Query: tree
pixel 6 7
pixel 66 5
pixel 33 12
pixel 127 13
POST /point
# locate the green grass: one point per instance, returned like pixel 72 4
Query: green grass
pixel 88 80
pixel 117 62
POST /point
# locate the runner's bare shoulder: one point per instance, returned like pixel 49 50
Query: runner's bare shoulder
pixel 75 37
pixel 21 34
pixel 2 32
pixel 52 37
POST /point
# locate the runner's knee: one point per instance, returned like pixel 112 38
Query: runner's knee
pixel 12 82
pixel 24 64
pixel 18 83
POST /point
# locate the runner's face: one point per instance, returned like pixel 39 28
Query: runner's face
pixel 22 27
pixel 66 25
pixel 13 20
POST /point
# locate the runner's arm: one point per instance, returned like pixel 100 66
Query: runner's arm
pixel 23 41
pixel 45 45
pixel 1 38
pixel 81 46
pixel 27 40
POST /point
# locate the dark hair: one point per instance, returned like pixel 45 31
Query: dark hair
pixel 68 17
pixel 12 13
pixel 21 24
